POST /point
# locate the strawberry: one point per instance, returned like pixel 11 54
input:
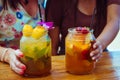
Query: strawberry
pixel 85 54
pixel 84 30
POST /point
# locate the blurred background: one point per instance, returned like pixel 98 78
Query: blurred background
pixel 115 45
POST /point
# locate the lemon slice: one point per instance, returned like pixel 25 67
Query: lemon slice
pixel 38 32
pixel 27 30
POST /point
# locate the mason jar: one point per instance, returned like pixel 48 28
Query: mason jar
pixel 37 55
pixel 78 45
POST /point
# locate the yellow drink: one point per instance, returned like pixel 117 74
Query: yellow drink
pixel 78 47
pixel 37 55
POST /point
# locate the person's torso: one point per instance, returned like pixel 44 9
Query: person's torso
pixel 74 18
pixel 11 25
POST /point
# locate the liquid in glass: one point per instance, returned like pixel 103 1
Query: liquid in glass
pixel 36 47
pixel 78 45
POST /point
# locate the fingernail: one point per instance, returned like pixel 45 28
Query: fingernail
pixel 93 58
pixel 21 73
pixel 23 67
pixel 21 55
pixel 96 60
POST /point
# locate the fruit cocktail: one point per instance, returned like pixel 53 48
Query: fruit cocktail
pixel 78 46
pixel 36 47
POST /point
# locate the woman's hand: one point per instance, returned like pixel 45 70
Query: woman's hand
pixel 13 60
pixel 97 51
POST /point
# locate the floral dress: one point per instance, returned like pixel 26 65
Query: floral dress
pixel 12 22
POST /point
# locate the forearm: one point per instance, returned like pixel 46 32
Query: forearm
pixel 109 32
pixel 54 34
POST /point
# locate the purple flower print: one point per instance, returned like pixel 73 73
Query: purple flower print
pixel 9 19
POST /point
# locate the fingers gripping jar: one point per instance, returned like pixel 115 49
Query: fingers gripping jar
pixel 78 45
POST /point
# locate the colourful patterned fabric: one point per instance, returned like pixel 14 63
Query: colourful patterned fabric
pixel 11 24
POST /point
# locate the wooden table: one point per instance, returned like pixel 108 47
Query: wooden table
pixel 108 68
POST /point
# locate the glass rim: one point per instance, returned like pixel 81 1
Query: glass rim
pixel 72 30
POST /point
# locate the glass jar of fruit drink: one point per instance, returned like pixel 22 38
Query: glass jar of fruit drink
pixel 78 46
pixel 36 47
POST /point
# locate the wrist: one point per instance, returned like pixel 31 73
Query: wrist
pixel 3 54
pixel 7 58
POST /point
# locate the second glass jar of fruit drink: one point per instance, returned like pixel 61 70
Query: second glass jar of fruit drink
pixel 78 46
pixel 36 47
